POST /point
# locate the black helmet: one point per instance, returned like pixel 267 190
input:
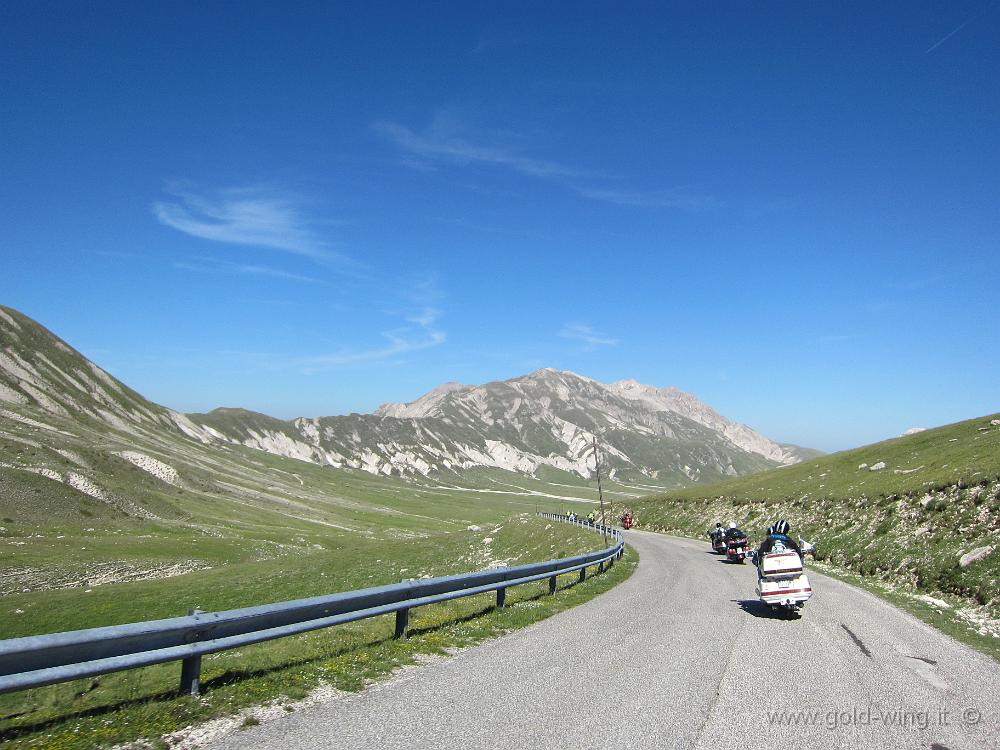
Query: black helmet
pixel 782 527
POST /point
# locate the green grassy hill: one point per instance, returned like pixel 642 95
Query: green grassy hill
pixel 962 453
pixel 902 512
pixel 114 509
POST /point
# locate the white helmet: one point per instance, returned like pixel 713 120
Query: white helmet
pixel 732 524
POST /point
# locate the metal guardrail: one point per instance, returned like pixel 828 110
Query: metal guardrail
pixel 34 661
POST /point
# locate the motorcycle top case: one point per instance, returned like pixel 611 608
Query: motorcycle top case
pixel 781 565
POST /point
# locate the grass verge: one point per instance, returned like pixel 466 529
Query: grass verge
pixel 949 614
pixel 143 703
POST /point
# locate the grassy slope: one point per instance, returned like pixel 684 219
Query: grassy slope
pixel 142 703
pixel 262 528
pixel 966 452
pixel 896 531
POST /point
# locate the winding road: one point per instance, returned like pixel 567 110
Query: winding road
pixel 680 655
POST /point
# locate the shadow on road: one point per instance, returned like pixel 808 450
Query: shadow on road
pixel 757 608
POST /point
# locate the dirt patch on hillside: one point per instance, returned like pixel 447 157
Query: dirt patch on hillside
pixel 20 580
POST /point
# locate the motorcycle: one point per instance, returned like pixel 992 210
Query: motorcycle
pixel 781 582
pixel 718 542
pixel 736 549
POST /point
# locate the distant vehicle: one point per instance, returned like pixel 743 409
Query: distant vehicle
pixel 718 538
pixel 627 520
pixel 736 546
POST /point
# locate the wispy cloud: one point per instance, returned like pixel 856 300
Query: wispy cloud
pixel 673 198
pixel 946 37
pixel 242 216
pixel 590 338
pixel 441 144
pixel 423 290
pixel 115 254
pixel 422 334
pixel 211 265
pixel 985 9
pixel 399 342
pixel 424 318
pixel 421 330
pixel 444 142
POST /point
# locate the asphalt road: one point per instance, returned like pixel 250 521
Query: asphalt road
pixel 679 656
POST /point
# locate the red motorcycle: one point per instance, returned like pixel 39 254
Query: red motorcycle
pixel 627 521
pixel 737 548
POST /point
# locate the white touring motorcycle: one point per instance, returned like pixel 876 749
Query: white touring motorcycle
pixel 781 583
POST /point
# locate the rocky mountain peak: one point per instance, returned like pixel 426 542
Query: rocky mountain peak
pixel 424 406
pixel 559 403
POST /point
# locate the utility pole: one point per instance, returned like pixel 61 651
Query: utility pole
pixel 600 493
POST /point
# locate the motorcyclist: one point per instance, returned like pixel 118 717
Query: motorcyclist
pixel 713 533
pixel 591 517
pixel 734 532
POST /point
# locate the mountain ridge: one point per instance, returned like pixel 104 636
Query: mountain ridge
pixel 536 424
pixel 546 419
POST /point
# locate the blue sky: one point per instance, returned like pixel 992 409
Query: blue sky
pixel 788 209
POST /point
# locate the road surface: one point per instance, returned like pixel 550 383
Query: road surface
pixel 681 655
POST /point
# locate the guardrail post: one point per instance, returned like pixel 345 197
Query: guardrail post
pixel 600 567
pixel 191 670
pixel 552 585
pixel 402 623
pixel 501 597
pixel 583 574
